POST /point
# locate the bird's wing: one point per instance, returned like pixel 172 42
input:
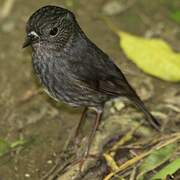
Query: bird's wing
pixel 98 72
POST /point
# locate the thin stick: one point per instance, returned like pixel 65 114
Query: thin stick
pixel 138 158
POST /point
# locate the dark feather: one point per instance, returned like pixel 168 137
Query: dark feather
pixel 102 75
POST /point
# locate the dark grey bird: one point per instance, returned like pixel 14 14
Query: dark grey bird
pixel 72 68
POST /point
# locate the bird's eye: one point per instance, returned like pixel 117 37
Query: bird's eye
pixel 53 31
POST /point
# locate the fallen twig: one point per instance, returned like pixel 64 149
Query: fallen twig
pixel 172 138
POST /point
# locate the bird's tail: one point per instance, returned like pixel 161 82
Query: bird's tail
pixel 151 119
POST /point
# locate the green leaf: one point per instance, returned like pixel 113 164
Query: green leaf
pixel 4 147
pixel 154 56
pixel 169 169
pixel 20 142
pixel 175 16
pixel 155 159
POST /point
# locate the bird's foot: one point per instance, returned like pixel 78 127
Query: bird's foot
pixel 72 145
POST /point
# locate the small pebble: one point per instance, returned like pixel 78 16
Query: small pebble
pixel 27 175
pixel 49 162
pixel 119 104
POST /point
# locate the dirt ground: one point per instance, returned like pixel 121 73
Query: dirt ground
pixel 27 114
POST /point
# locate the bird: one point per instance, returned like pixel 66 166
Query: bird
pixel 72 68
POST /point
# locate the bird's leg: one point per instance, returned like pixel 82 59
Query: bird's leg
pixel 93 132
pixel 75 140
pixel 91 137
pixel 83 117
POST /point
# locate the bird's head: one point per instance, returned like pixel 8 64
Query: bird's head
pixel 50 26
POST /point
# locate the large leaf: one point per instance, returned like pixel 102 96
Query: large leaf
pixel 169 169
pixel 154 56
pixel 155 159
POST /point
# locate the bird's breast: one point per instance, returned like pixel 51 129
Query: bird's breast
pixel 55 78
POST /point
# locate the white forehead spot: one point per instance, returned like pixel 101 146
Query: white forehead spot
pixel 33 33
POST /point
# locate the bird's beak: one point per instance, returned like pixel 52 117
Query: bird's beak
pixel 27 42
pixel 31 37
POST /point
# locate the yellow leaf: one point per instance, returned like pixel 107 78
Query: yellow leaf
pixel 154 56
